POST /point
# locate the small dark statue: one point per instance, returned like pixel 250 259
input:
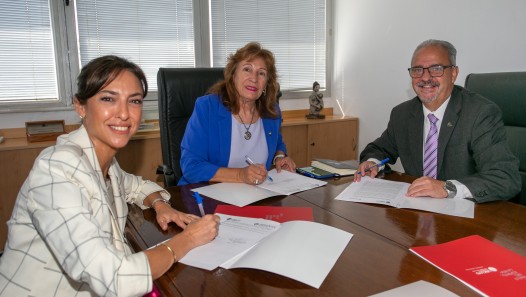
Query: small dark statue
pixel 316 102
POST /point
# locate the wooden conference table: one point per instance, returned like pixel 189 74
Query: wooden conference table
pixel 376 259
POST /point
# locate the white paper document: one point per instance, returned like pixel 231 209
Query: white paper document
pixel 236 235
pixel 392 193
pixel 417 289
pixel 240 194
pixel 291 249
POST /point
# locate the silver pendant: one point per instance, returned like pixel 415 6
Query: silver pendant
pixel 248 135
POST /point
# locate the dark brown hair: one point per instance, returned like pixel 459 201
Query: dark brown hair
pixel 266 104
pixel 100 72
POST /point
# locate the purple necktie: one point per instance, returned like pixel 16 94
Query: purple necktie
pixel 430 150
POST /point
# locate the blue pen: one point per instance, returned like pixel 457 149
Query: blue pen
pixel 250 162
pixel 199 201
pixel 375 165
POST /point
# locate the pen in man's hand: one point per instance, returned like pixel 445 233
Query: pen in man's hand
pixel 199 201
pixel 375 165
pixel 250 162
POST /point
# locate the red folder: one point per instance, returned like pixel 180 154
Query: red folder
pixel 486 267
pixel 276 213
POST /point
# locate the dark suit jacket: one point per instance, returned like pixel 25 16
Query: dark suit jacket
pixel 472 146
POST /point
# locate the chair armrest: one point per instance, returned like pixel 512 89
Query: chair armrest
pixel 169 176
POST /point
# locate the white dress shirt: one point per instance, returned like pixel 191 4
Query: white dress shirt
pixel 462 190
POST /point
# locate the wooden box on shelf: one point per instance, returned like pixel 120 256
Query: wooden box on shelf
pixel 44 130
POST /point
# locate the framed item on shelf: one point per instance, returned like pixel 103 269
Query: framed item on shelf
pixel 44 130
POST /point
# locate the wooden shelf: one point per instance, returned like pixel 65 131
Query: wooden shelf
pixel 335 137
pixel 15 139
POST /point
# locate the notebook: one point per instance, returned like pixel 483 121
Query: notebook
pixel 337 167
pixel 315 172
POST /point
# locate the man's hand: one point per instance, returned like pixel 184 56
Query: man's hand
pixel 427 187
pixel 363 172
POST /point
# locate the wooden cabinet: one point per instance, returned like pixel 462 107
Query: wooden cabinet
pixel 335 137
pixel 14 168
pixel 141 157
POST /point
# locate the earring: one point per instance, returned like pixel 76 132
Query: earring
pixel 81 117
pixel 264 91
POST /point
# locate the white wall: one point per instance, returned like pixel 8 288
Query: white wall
pixel 374 41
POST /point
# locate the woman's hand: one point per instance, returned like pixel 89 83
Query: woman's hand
pixel 166 214
pixel 196 233
pixel 285 163
pixel 253 174
pixel 201 231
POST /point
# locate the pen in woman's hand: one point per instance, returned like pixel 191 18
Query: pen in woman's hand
pixel 375 165
pixel 199 201
pixel 250 162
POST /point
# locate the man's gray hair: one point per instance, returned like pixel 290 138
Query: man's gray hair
pixel 451 50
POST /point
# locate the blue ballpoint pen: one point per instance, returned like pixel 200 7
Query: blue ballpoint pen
pixel 199 201
pixel 375 165
pixel 250 162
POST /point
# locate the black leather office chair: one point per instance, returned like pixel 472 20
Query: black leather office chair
pixel 178 89
pixel 508 91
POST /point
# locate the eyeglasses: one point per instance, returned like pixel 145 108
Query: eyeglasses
pixel 434 71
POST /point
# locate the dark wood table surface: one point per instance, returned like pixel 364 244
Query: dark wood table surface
pixel 376 259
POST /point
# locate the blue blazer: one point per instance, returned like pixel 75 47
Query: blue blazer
pixel 206 142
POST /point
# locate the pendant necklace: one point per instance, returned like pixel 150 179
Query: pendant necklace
pixel 248 135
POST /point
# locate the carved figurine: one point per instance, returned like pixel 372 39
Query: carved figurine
pixel 316 102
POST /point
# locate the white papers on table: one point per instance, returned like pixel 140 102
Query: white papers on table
pixel 292 249
pixel 236 235
pixel 417 289
pixel 240 194
pixel 379 191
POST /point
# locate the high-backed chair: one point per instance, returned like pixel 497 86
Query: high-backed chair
pixel 178 90
pixel 508 91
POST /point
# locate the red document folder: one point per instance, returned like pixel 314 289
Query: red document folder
pixel 275 213
pixel 486 267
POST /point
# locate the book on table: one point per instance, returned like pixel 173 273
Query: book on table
pixel 483 265
pixel 316 172
pixel 341 168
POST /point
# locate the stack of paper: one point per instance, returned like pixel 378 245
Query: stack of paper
pixel 284 183
pixel 417 289
pixel 291 249
pixel 392 193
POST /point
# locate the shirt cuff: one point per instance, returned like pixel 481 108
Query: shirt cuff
pixel 376 161
pixel 462 190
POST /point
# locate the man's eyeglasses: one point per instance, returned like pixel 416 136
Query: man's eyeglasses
pixel 434 71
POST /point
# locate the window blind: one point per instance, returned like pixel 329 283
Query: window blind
pixel 151 34
pixel 293 30
pixel 27 56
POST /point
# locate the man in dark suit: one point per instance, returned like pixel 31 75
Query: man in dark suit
pixel 452 139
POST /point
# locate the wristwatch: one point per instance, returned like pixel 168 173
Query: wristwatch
pixel 450 188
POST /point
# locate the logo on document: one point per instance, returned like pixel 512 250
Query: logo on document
pixel 482 270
